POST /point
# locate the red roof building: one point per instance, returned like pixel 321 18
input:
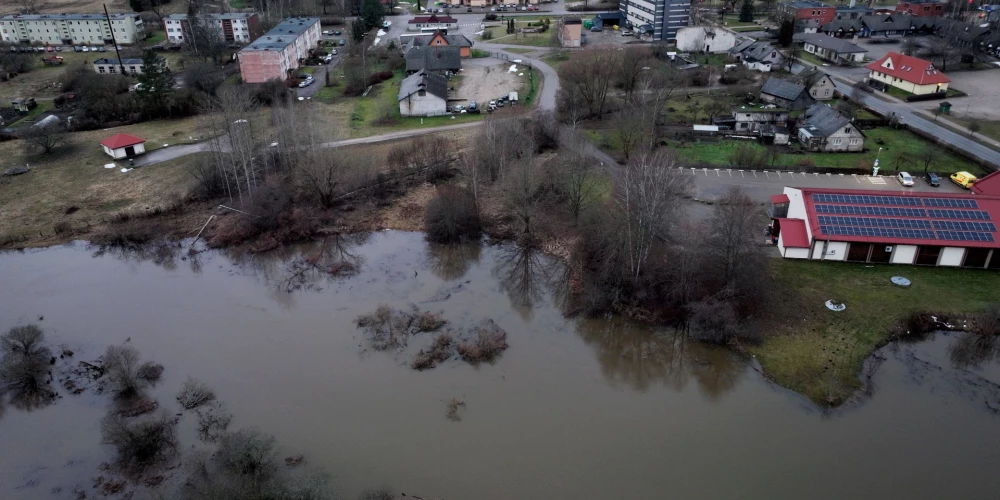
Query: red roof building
pixel 921 8
pixel 123 146
pixel 432 22
pixel 989 185
pixel 890 227
pixel 911 74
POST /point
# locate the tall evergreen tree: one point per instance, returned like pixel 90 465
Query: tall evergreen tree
pixel 786 32
pixel 372 13
pixel 156 84
pixel 746 11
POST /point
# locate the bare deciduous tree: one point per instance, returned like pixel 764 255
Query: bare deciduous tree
pixel 579 179
pixel 634 61
pixel 43 138
pixel 232 114
pixel 592 72
pixel 23 360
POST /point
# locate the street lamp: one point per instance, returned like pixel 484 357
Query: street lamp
pixel 875 167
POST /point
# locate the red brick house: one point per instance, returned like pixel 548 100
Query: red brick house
pixel 921 8
pixel 808 9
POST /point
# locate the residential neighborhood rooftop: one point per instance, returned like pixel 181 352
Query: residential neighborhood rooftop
pixel 830 43
pixel 423 80
pixel 783 89
pixel 67 17
pixel 121 140
pixel 820 120
pixel 908 68
pixel 283 34
pixel 116 61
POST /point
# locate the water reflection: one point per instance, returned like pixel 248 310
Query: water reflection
pixel 524 274
pixel 972 350
pixel 161 253
pixel 451 262
pixel 638 356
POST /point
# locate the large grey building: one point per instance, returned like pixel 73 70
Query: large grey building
pixel 659 18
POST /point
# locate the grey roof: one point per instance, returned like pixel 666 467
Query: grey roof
pixel 453 40
pixel 227 15
pixel 809 76
pixel 889 22
pixel 806 4
pixel 68 17
pixel 757 51
pixel 115 61
pixel 282 35
pixel 854 8
pixel 783 89
pixel 842 25
pixel 422 80
pixel 837 45
pixel 823 121
pixel 741 46
pixel 951 28
pixel 433 59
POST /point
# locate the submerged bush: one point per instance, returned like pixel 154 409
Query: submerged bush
pixel 489 343
pixel 139 442
pixel 452 216
pixel 439 351
pixel 194 393
pixel 126 375
pixel 23 362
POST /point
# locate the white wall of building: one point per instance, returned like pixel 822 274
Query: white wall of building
pixel 705 39
pixel 835 250
pixel 120 152
pixel 794 253
pixel 951 256
pixel 904 254
pixel 423 105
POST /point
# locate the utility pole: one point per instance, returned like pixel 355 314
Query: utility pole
pixel 113 40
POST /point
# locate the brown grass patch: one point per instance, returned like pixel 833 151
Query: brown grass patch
pixel 387 328
pixel 440 350
pixel 452 411
pixel 490 343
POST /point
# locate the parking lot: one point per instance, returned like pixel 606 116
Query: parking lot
pixel 486 79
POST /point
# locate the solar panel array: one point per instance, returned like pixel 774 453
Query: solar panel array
pixel 964 226
pixel 959 214
pixel 832 220
pixel 862 210
pixel 903 217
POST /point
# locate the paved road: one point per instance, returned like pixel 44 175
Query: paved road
pixel 170 153
pixel 972 147
pixel 319 73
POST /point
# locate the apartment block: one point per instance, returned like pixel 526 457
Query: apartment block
pixel 280 51
pixel 71 29
pixel 237 27
pixel 660 18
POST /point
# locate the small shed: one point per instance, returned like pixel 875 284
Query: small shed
pixel 23 104
pixel 121 146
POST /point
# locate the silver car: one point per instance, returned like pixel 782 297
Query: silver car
pixel 905 179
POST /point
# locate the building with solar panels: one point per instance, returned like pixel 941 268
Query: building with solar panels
pixel 888 227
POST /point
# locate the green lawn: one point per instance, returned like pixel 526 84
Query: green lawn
pixel 533 39
pixel 819 352
pixel 556 59
pixel 32 116
pixel 893 140
pixel 810 58
pixel 157 37
pixel 520 51
pixel 898 93
pixel 988 128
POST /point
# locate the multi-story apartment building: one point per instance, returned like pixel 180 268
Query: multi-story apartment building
pixel 808 9
pixel 238 27
pixel 922 8
pixel 71 29
pixel 662 18
pixel 280 51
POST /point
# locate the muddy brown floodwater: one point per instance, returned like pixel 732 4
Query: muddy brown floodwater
pixel 594 409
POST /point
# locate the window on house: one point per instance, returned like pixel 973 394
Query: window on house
pixel 847 130
pixel 855 141
pixel 100 69
pixel 836 142
pixel 826 93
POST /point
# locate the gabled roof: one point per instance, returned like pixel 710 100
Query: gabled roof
pixel 451 40
pixel 741 46
pixel 115 61
pixel 445 58
pixel 793 232
pixel 757 51
pixel 820 120
pixel 908 68
pixel 953 28
pixel 783 89
pixel 121 140
pixel 989 185
pixel 837 45
pixel 889 22
pixel 842 26
pixel 432 83
pixel 432 19
pixel 905 218
pixel 809 76
pixel 807 4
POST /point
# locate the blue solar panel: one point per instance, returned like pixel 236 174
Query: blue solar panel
pixel 864 199
pixel 964 226
pixel 959 214
pixel 950 203
pixel 834 220
pixel 862 210
pixel 878 231
pixel 965 236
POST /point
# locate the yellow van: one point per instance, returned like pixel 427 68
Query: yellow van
pixel 963 179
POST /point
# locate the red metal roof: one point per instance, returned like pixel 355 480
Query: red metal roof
pixel 793 233
pixel 910 69
pixel 432 19
pixel 988 185
pixel 121 140
pixel 779 198
pixel 987 203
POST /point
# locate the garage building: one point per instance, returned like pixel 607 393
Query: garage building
pixel 887 227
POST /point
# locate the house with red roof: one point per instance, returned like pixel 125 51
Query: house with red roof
pixel 889 227
pixel 909 73
pixel 121 146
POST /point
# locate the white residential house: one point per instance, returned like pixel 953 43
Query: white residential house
pixel 423 93
pixel 705 39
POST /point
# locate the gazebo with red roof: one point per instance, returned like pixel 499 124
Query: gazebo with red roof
pixel 121 146
pixel 909 73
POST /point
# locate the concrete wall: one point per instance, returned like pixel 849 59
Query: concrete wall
pixel 835 250
pixel 425 105
pixel 259 66
pixel 907 86
pixel 904 254
pixel 951 256
pixel 794 253
pixel 120 152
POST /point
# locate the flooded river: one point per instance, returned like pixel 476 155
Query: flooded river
pixel 574 409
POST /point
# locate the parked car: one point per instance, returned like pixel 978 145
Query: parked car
pixel 336 33
pixel 327 59
pixel 386 24
pixel 102 48
pixel 473 105
pixel 86 48
pixel 963 179
pixel 333 52
pixel 468 9
pixel 327 32
pixel 76 48
pixel 49 49
pixel 307 82
pixel 905 179
pixel 626 33
pixel 932 179
pixel 59 48
pixel 341 42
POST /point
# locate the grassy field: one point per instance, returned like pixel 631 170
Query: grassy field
pixel 988 128
pixel 819 352
pixel 556 59
pixel 894 140
pixel 73 175
pixel 499 35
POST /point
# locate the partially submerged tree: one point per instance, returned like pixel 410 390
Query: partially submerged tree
pixel 23 362
pixel 126 375
pixel 452 216
pixel 140 442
